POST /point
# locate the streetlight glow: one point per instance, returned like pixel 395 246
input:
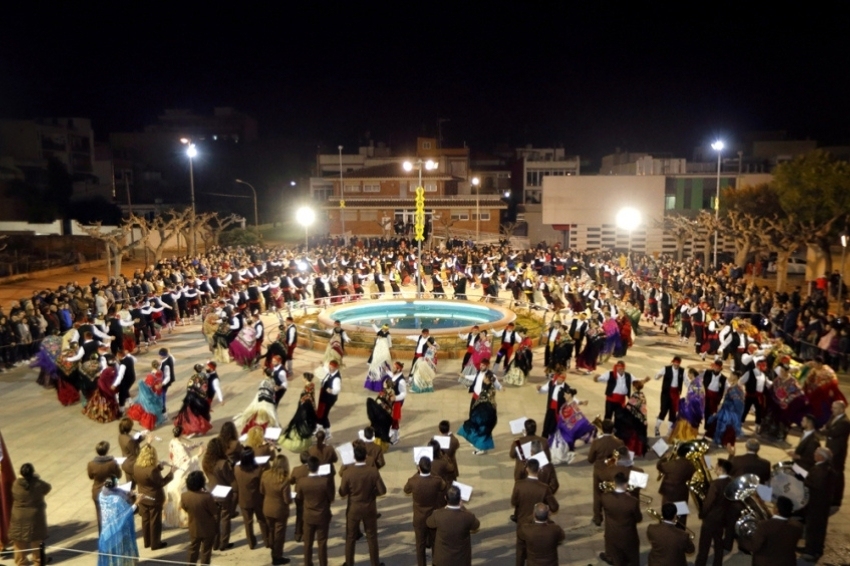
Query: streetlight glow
pixel 305 216
pixel 184 140
pixel 628 219
pixel 430 165
pixel 476 181
pixel 408 166
pixel 191 151
pixel 717 146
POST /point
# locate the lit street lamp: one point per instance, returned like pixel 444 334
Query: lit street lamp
pixel 256 216
pixel 191 152
pixel 305 216
pixel 409 166
pixel 476 182
pixel 718 147
pixel 844 239
pixel 341 197
pixel 629 219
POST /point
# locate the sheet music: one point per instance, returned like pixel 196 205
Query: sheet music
pixel 465 490
pixel 445 441
pixel 638 479
pixel 420 451
pixel 221 491
pixel 346 453
pixel 518 425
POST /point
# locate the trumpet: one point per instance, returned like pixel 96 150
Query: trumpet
pixel 657 516
pixel 608 487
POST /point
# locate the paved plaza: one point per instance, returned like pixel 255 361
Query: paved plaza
pixel 60 441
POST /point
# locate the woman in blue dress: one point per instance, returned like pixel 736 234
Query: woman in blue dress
pixel 727 421
pixel 117 543
pixel 478 429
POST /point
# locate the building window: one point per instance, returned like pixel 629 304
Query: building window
pixel 484 216
pixel 352 188
pixel 460 216
pixel 349 215
pixel 369 215
pixel 426 145
pixel 371 188
pixel 430 187
pixel 669 202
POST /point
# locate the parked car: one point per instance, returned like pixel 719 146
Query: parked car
pixel 796 266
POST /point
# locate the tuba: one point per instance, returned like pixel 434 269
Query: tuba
pixel 699 482
pixel 744 489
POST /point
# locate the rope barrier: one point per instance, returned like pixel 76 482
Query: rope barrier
pixel 124 556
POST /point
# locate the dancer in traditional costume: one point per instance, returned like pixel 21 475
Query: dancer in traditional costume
pixel 380 413
pixel 299 433
pixel 522 364
pixel 117 542
pixel 261 411
pixel 821 387
pixel 478 428
pixel 631 422
pixel 787 404
pixel 243 348
pixel 691 410
pixel 727 421
pixel 571 426
pixel 380 362
pixel 425 371
pixel 482 351
pixel 588 358
pixel 194 415
pixel 146 408
pixel 102 405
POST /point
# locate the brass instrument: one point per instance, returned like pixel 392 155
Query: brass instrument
pixel 671 453
pixel 744 489
pixel 699 482
pixel 609 487
pixel 597 422
pixel 657 516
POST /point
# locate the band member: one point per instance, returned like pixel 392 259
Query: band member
pixel 670 544
pixel 715 386
pixel 601 449
pixel 329 392
pixel 291 341
pixel 671 390
pixel 541 537
pixel 821 484
pixel 755 382
pixel 526 494
pixel 622 514
pixel 471 340
pixel 775 540
pixel 400 389
pixel 422 342
pixel 837 432
pixel 715 513
pixel 676 474
pixel 509 338
pixel 429 493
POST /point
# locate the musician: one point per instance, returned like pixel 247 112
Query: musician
pixel 671 390
pixel 821 484
pixel 775 540
pixel 676 472
pixel 622 514
pixel 552 336
pixel 670 543
pixel 528 492
pixel 755 382
pixel 620 462
pixel 472 340
pixel 715 386
pixel 715 513
pixel 804 454
pixel 541 538
pixel 516 452
pixel 601 449
pixel 547 473
pixel 429 493
pixel 749 463
pixel 837 431
pixel 618 387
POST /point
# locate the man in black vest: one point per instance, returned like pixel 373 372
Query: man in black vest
pixel 213 383
pixel 578 330
pixel 756 384
pixel 422 342
pixel 552 336
pixel 328 394
pixel 618 388
pixel 125 377
pixel 279 376
pixel 166 366
pixel 554 390
pixel 400 390
pixel 715 386
pixel 671 390
pixel 471 340
pixel 291 342
pixel 510 338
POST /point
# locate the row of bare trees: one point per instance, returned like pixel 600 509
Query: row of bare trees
pixel 169 225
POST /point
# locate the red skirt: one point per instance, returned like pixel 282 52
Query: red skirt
pixel 66 392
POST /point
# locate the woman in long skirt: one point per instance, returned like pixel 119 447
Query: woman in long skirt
pixel 185 457
pixel 572 426
pixel 631 421
pixel 786 402
pixel 821 387
pixel 261 411
pixel 45 361
pixel 587 359
pixel 727 421
pixel 146 408
pixel 612 337
pixel 243 349
pixel 380 413
pixel 425 371
pixel 691 410
pixel 482 351
pixel 625 326
pixel 521 365
pixel 380 362
pixel 194 415
pixel 299 433
pixel 102 405
pixel 478 428
pixel 117 542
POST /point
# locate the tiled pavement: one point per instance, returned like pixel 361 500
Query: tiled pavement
pixel 60 441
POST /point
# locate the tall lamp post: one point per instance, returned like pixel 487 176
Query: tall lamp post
pixel 341 197
pixel 628 219
pixel 256 216
pixel 718 147
pixel 305 216
pixel 476 182
pixel 410 166
pixel 191 152
pixel 844 240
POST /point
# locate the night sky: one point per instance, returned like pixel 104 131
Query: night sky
pixel 643 79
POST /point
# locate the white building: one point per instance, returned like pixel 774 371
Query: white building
pixel 539 163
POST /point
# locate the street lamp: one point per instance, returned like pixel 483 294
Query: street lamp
pixel 718 147
pixel 305 216
pixel 191 152
pixel 629 219
pixel 409 166
pixel 844 240
pixel 341 197
pixel 476 182
pixel 253 190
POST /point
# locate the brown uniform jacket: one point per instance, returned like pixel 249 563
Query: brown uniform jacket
pixel 674 485
pixel 362 485
pixel 317 494
pixel 276 496
pixel 541 542
pixel 669 543
pixel 28 521
pixel 429 493
pixel 750 464
pixel 451 454
pixel 129 450
pixel 519 464
pixel 774 542
pixel 602 448
pixel 443 467
pixel 806 451
pixel 326 455
pixel 622 514
pixel 527 493
pixel 715 507
pixel 203 513
pixel 374 455
pixel 248 488
pixel 837 433
pixel 821 484
pixel 453 544
pixel 607 473
pixel 149 484
pixel 234 450
pixel 101 469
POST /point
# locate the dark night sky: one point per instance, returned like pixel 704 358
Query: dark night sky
pixel 544 73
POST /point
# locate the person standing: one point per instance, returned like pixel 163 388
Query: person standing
pixel 618 388
pixel 715 387
pixel 329 393
pixel 578 331
pixel 541 538
pixel 454 526
pixel 125 377
pixel 203 518
pixel 715 514
pixel 219 471
pixel 422 342
pixel 129 443
pixel 509 338
pixel 250 499
pixel 804 454
pixel 451 453
pixel 749 463
pixel 291 341
pixel 516 452
pixel 821 484
pixel 28 520
pixel 622 514
pixel 671 390
pixel 101 469
pixel 362 485
pixel 552 336
pixel 677 472
pixel 601 449
pixel 280 379
pixel 214 390
pixel 528 492
pixel 150 483
pixel 166 366
pixel 429 494
pixel 471 339
pixel 277 495
pixel 756 383
pixel 837 433
pixel 554 390
pixel 775 540
pixel 670 544
pixel 316 493
pixel 118 537
pixel 400 390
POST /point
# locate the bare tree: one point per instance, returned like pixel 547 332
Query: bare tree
pixel 742 228
pixel 118 241
pixel 783 236
pixel 166 225
pixel 507 229
pixel 446 223
pixel 216 224
pixel 706 228
pixel 194 221
pixel 682 230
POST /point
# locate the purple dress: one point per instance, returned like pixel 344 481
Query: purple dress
pixel 572 425
pixel 692 407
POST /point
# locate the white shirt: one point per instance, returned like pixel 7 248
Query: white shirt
pixel 478 383
pixel 761 380
pixel 336 381
pixel 621 388
pixel 674 383
pixel 712 380
pixel 119 375
pixel 399 380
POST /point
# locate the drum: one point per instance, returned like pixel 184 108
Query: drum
pixel 783 481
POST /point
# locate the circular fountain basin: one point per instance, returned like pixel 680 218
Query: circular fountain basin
pixel 440 317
